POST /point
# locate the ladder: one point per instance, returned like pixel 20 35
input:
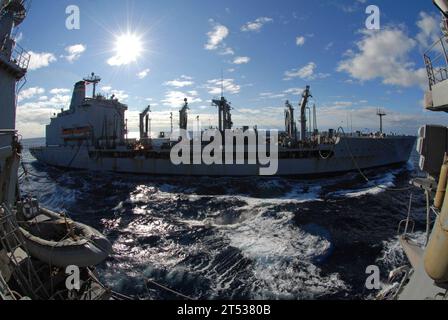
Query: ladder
pixel 430 71
pixel 5 291
pixel 23 271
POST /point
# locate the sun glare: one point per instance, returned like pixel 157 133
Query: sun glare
pixel 128 48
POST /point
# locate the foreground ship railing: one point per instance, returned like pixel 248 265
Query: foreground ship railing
pixel 436 61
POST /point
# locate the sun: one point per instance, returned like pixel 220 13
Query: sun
pixel 128 48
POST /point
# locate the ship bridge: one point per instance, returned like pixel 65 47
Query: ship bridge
pixel 94 121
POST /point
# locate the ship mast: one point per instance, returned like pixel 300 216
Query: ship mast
pixel 183 116
pixel 380 113
pixel 290 122
pixel 224 110
pixel 93 79
pixel 305 97
pixel 144 123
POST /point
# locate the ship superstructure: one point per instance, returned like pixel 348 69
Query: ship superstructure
pixel 36 245
pixel 427 276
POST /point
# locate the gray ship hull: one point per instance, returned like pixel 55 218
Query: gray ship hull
pixel 349 154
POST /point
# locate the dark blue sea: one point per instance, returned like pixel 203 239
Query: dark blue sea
pixel 237 238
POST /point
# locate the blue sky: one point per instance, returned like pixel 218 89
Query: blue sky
pixel 268 52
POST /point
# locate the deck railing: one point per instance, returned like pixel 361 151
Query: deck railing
pixel 20 57
pixel 436 61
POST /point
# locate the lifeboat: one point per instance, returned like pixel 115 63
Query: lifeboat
pixel 62 242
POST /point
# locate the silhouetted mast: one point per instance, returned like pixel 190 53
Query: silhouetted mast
pixel 381 114
pixel 305 97
pixel 183 116
pixel 93 79
pixel 290 123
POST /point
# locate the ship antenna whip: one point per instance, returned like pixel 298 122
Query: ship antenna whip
pixel 222 83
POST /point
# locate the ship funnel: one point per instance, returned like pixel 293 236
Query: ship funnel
pixel 79 94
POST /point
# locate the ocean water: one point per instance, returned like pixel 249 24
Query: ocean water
pixel 237 238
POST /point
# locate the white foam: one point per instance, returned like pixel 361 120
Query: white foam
pixel 375 186
pixel 283 256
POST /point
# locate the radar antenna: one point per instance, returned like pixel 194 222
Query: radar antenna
pixel 222 83
pixel 93 79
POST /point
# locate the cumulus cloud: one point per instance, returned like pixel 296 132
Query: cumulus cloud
pixel 306 72
pixel 284 94
pixel 216 36
pixel 429 26
pixel 30 93
pixel 34 111
pixel 119 94
pixel 256 25
pixel 300 41
pixel 214 86
pixel 57 91
pixel 183 81
pixel 241 60
pixel 74 52
pixel 384 55
pixel 174 98
pixel 40 60
pixel 143 74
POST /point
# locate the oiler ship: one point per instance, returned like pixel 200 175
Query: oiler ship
pixel 92 134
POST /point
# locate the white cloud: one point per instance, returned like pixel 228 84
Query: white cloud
pixel 40 60
pixel 183 81
pixel 230 87
pixel 300 41
pixel 143 74
pixel 106 89
pixel 256 25
pixel 271 95
pixel 307 72
pixel 384 55
pixel 284 94
pixel 226 51
pixel 429 26
pixel 175 98
pixel 60 100
pixel 294 91
pixel 57 91
pixel 303 72
pixel 329 46
pixel 119 94
pixel 241 60
pixel 74 52
pixel 216 36
pixel 30 93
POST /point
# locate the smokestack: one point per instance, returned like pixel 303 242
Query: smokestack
pixel 79 94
